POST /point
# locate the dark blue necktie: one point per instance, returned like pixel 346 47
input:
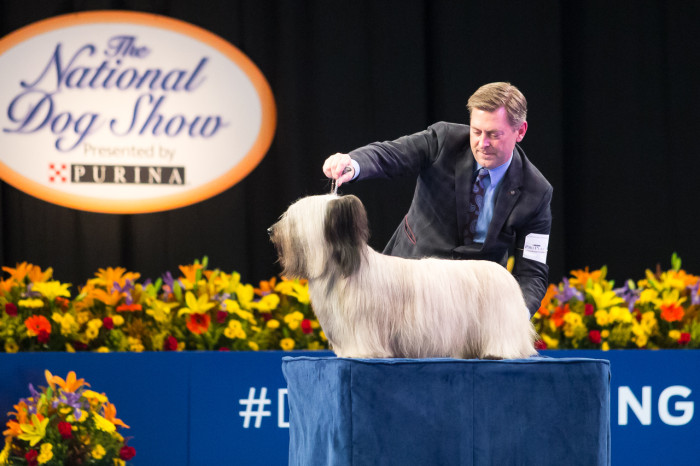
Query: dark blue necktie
pixel 476 202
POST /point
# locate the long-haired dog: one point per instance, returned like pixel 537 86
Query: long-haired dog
pixel 375 306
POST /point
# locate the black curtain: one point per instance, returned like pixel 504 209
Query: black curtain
pixel 612 116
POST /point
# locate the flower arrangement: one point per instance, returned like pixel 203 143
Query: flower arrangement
pixel 65 423
pixel 202 309
pixel 586 311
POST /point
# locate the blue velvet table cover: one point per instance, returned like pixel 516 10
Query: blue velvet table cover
pixel 537 411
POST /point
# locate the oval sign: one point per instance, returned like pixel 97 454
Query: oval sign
pixel 126 112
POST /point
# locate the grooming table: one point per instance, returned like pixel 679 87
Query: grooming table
pixel 537 411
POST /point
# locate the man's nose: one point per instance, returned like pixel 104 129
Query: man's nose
pixel 485 141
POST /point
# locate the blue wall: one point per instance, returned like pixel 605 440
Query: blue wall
pixel 203 408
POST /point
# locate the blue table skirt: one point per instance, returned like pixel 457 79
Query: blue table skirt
pixel 538 411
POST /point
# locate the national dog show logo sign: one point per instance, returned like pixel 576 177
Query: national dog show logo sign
pixel 126 112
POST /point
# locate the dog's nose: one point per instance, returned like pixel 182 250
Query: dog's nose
pixel 270 231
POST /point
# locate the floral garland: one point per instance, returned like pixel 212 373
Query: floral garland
pixel 200 310
pixel 586 311
pixel 65 423
pixel 206 309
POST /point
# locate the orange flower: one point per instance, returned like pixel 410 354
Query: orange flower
pixel 672 312
pixel 581 277
pixel 552 290
pixel 107 277
pixel 559 313
pixel 198 323
pixel 189 272
pixel 35 324
pixel 110 299
pixel 70 385
pixel 129 307
pixel 111 415
pixel 13 429
pixel 266 287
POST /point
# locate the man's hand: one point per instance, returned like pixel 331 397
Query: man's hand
pixel 339 167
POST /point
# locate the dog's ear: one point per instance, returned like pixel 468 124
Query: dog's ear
pixel 346 232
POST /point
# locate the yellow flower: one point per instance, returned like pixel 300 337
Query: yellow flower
pixel 135 344
pixel 95 398
pixel 602 318
pixel 620 314
pixel 91 333
pixel 322 334
pixel 254 346
pixel 234 330
pixel 11 346
pixel 33 303
pixel 552 343
pixel 159 310
pixel 267 303
pixel 273 324
pixel 605 346
pixel 45 453
pixel 98 452
pixel 103 424
pixel 603 298
pixel 35 431
pixel 245 294
pixel 314 345
pixel 572 321
pixel 102 349
pixel 605 333
pixel 298 289
pixel 674 334
pixel 647 295
pixel 196 305
pixel 117 320
pixel 52 289
pixel 287 344
pixel 95 323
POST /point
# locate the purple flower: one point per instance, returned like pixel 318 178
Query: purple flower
pixel 169 280
pixel 126 289
pixel 695 293
pixel 568 292
pixel 629 294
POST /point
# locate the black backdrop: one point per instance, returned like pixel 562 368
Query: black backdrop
pixel 613 116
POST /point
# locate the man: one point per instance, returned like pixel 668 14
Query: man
pixel 456 214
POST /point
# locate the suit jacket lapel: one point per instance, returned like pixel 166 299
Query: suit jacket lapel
pixel 508 194
pixel 464 167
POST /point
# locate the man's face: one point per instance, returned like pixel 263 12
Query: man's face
pixel 491 137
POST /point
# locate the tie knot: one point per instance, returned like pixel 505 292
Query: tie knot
pixel 483 173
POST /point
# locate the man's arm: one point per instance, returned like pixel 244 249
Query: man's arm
pixel 533 273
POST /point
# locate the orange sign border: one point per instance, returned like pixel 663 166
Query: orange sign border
pixel 173 201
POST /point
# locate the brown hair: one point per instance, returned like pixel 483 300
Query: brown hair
pixel 490 97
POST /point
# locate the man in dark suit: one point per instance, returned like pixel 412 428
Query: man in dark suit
pixel 477 195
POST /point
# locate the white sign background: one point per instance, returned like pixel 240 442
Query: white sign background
pixel 202 106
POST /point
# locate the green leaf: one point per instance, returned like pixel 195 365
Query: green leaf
pixel 675 262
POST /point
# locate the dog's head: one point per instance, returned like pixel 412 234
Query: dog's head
pixel 321 234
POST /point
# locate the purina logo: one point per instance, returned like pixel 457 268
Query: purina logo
pixel 131 112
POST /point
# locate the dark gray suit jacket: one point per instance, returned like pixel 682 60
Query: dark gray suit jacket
pixel 436 222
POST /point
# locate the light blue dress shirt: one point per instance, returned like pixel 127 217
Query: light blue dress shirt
pixel 490 189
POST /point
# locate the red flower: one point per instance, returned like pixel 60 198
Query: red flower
pixel 684 339
pixel 31 457
pixel 108 323
pixel 559 313
pixel 127 452
pixel 540 345
pixel 221 316
pixel 35 324
pixel 43 336
pixel 62 302
pixel 65 429
pixel 170 344
pixel 594 336
pixel 306 326
pixel 588 309
pixel 11 309
pixel 223 348
pixel 198 323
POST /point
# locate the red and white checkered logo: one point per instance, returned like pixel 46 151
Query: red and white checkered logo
pixel 58 173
